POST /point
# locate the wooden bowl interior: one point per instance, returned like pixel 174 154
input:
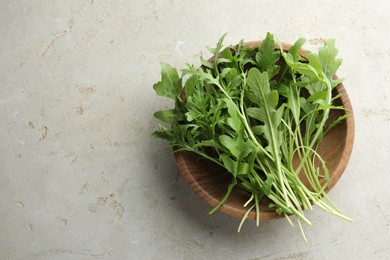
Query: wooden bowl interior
pixel 210 181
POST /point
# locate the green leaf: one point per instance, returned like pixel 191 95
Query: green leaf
pixel 279 115
pixel 234 167
pixel 294 53
pixel 243 169
pixel 335 82
pixel 210 143
pixel 169 116
pixel 188 116
pixel 321 95
pixel 250 61
pixel 230 144
pixel 215 50
pixel 293 102
pixel 235 121
pixel 247 186
pixel 266 57
pixel 257 113
pixel 339 120
pixel 161 135
pixel 246 147
pixel 327 55
pixel 227 54
pixel 306 106
pixel 225 73
pixel 206 63
pixel 311 125
pixel 314 62
pixel 284 90
pixel 279 211
pixel 235 83
pixel 223 60
pixel 267 185
pixel 274 97
pixel 302 68
pixel 189 86
pixel 229 164
pixel 259 85
pixel 314 86
pixel 258 129
pixel 170 84
pixel 339 95
pixel 164 133
pixel 294 50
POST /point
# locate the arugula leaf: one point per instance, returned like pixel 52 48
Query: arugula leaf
pixel 170 84
pixel 293 102
pixel 320 95
pixel 233 120
pixel 339 120
pixel 257 113
pixel 258 83
pixel 169 116
pixel 206 63
pixel 231 145
pixel 294 50
pixel 267 56
pixel 189 86
pixel 327 55
pixel 215 50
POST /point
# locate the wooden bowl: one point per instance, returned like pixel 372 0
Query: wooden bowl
pixel 210 181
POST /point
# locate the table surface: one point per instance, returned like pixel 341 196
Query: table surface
pixel 80 175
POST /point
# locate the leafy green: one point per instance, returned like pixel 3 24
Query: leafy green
pixel 327 56
pixel 251 111
pixel 170 116
pixel 294 50
pixel 170 84
pixel 267 56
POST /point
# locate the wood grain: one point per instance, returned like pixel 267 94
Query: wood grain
pixel 210 181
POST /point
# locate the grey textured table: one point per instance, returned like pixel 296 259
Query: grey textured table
pixel 80 176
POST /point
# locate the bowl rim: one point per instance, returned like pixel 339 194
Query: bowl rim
pixel 269 215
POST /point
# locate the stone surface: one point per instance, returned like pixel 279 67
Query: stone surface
pixel 80 176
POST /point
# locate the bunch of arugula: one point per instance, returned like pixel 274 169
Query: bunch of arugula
pixel 251 111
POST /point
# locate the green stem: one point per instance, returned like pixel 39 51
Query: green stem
pixel 244 218
pixel 229 191
pixel 322 123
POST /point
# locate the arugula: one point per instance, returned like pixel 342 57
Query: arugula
pixel 251 111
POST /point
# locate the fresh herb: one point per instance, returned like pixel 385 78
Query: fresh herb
pixel 251 111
